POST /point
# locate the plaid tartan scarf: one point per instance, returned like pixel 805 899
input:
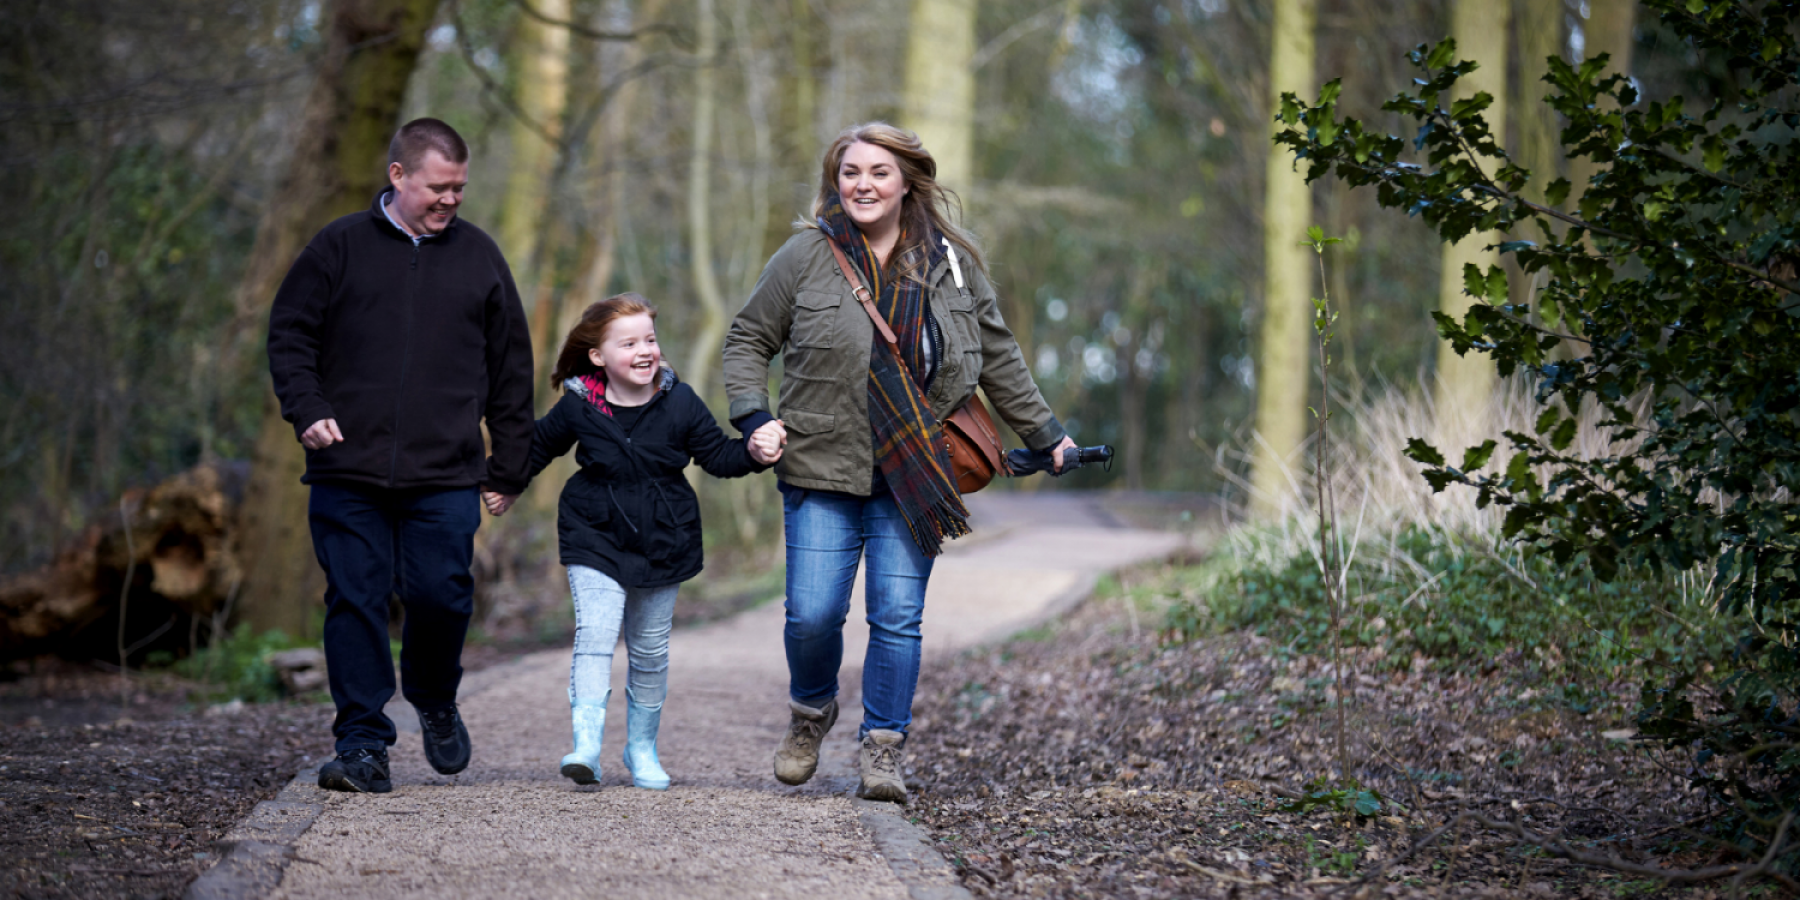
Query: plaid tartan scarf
pixel 908 439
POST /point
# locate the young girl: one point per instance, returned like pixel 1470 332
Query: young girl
pixel 628 524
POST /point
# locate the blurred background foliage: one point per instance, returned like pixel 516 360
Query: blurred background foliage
pixel 1117 182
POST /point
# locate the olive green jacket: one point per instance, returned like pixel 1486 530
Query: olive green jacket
pixel 803 309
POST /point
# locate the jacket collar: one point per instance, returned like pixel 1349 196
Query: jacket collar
pixel 387 226
pixel 579 387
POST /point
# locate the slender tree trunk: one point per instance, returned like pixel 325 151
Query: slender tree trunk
pixel 1608 30
pixel 1540 37
pixel 338 166
pixel 541 57
pixel 1466 383
pixel 709 335
pixel 1283 346
pixel 803 90
pixel 1134 385
pixel 1540 34
pixel 940 86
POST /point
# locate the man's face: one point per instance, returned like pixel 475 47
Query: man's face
pixel 425 198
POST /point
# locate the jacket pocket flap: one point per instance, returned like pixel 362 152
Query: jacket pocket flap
pixel 818 299
pixel 804 422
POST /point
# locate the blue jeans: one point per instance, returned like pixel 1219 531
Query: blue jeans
pixel 374 543
pixel 601 607
pixel 828 533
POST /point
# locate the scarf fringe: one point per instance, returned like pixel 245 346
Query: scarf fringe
pixel 944 520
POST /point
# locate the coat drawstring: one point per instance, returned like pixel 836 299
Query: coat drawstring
pixel 621 508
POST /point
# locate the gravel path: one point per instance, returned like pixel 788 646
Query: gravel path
pixel 511 826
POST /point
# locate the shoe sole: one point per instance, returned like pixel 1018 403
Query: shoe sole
pixel 340 782
pixel 579 773
pixel 886 793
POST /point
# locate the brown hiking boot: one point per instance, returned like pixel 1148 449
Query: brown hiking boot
pixel 881 766
pixel 798 756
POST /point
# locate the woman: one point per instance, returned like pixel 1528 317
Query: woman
pixel 864 476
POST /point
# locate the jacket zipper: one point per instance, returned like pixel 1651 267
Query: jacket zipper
pixel 632 458
pixel 412 290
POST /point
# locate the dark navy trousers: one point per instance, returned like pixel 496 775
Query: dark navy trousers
pixel 374 543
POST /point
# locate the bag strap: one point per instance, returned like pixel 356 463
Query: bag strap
pixel 862 294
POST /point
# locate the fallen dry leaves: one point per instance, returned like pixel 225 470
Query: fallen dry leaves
pixel 1091 764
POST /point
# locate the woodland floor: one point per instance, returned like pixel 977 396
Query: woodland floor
pixel 1085 760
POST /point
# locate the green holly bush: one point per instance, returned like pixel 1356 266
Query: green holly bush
pixel 1670 303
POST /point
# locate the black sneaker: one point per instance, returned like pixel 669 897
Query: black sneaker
pixel 446 740
pixel 360 771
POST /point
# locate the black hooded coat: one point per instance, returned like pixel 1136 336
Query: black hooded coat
pixel 630 512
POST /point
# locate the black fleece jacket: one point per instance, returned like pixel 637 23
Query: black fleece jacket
pixel 409 347
pixel 629 512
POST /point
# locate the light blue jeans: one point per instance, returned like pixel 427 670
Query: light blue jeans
pixel 601 608
pixel 828 534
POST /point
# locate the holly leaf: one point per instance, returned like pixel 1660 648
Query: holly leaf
pixel 1419 451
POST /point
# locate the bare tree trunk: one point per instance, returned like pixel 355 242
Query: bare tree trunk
pixel 338 166
pixel 1466 383
pixel 709 335
pixel 541 53
pixel 1540 34
pixel 1607 30
pixel 1283 348
pixel 940 86
pixel 803 90
pixel 1540 38
pixel 1135 383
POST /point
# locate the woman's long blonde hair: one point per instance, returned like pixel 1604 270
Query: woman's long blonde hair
pixel 927 205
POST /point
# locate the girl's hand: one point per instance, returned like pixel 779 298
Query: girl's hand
pixel 497 504
pixel 766 442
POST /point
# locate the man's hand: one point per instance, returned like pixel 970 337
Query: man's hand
pixel 1056 452
pixel 766 442
pixel 497 504
pixel 321 434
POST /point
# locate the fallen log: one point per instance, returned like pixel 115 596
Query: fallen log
pixel 165 550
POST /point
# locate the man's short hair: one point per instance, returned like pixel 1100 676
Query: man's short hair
pixel 414 138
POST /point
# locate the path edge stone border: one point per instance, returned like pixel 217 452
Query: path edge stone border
pixel 908 850
pixel 261 846
pixel 257 850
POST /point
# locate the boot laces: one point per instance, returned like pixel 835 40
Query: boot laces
pixel 806 733
pixel 884 759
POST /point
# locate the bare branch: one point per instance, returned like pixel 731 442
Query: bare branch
pixel 595 34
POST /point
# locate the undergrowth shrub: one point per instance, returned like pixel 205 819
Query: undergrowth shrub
pixel 1666 294
pixel 1463 601
pixel 237 667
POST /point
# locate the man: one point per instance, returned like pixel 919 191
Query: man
pixel 395 333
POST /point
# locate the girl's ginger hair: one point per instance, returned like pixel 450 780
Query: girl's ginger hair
pixel 587 334
pixel 927 205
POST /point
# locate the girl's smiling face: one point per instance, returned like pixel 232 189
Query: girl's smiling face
pixel 629 354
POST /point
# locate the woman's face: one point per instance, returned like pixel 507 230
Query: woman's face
pixel 870 182
pixel 629 352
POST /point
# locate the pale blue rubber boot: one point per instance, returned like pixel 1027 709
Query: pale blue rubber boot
pixel 641 723
pixel 583 766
